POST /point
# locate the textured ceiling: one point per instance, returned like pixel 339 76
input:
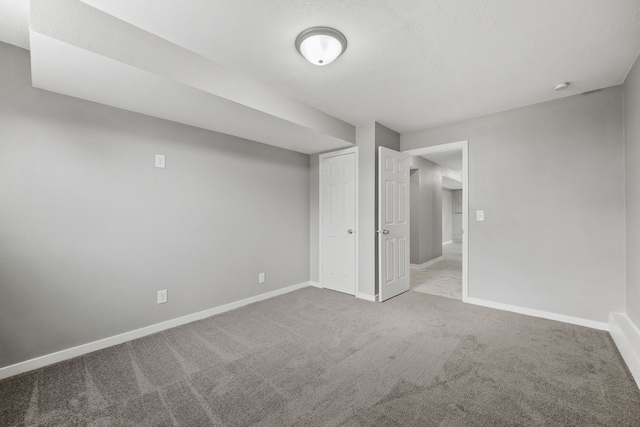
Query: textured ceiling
pixel 410 64
pixel 14 22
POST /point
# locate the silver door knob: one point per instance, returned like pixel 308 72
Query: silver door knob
pixel 350 231
pixel 383 231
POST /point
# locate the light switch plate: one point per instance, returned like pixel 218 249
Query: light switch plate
pixel 479 215
pixel 160 161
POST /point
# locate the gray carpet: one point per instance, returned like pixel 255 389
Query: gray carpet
pixel 318 358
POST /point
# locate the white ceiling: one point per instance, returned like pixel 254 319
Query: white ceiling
pixel 14 22
pixel 410 64
pixel 450 159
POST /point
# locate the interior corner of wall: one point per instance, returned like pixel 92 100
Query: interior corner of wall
pixel 626 335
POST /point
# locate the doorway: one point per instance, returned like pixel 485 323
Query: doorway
pixel 429 267
pixel 442 276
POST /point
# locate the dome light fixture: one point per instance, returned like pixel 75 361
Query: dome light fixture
pixel 321 45
pixel 561 86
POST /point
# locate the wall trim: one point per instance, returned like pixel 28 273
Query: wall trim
pixel 447 242
pixel 426 264
pixel 59 356
pixel 626 336
pixel 603 326
pixel 366 297
pixel 316 285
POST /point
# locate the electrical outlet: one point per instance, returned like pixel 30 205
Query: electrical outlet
pixel 162 296
pixel 261 278
pixel 160 161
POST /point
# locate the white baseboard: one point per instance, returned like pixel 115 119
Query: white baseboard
pixel 366 297
pixel 357 295
pixel 447 243
pixel 426 264
pixel 539 313
pixel 80 350
pixel 626 335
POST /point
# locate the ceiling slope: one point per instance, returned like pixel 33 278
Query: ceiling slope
pixel 80 51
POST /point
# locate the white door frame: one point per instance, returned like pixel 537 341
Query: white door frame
pixel 464 146
pixel 322 157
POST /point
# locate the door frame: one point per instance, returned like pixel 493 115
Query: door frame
pixel 322 157
pixel 464 146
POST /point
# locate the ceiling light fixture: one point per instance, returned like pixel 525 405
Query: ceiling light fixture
pixel 561 86
pixel 321 45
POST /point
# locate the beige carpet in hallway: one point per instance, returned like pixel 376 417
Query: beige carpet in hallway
pixel 444 278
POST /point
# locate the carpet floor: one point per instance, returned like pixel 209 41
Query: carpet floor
pixel 319 358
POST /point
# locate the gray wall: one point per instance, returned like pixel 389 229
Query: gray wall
pixel 366 142
pixel 426 202
pixel 632 180
pixel 90 230
pixel 550 179
pixel 386 137
pixel 414 215
pixel 314 218
pixel 456 232
pixel 447 215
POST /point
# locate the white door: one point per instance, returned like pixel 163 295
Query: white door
pixel 338 216
pixel 393 223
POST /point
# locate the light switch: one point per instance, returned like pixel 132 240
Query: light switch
pixel 479 215
pixel 160 162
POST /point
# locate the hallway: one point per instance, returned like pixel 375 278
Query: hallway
pixel 443 278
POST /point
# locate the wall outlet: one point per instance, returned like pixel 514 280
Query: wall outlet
pixel 160 161
pixel 261 278
pixel 162 296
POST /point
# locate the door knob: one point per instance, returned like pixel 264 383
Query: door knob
pixel 383 231
pixel 350 231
